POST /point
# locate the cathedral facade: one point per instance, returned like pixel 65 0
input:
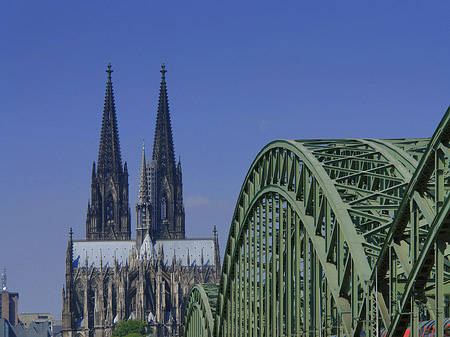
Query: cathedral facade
pixel 110 277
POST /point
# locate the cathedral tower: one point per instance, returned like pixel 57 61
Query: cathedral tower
pixel 108 214
pixel 160 208
pixel 108 281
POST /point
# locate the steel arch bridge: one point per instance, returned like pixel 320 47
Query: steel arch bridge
pixel 336 237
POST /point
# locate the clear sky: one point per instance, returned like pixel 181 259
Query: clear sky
pixel 240 74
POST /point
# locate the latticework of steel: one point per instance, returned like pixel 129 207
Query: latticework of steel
pixel 200 309
pixel 336 237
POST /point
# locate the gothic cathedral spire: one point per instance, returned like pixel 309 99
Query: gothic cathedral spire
pixel 143 207
pixel 163 152
pixel 108 215
pixel 165 186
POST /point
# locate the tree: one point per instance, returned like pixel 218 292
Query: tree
pixel 133 327
pixel 134 334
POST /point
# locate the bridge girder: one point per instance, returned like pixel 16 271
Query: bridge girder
pixel 198 314
pixel 423 229
pixel 334 237
pixel 339 197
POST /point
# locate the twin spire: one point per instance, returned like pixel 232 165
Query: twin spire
pixel 163 149
pixel 109 157
pixel 160 203
pixel 160 209
pixel 108 214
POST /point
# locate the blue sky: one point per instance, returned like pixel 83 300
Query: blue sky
pixel 240 74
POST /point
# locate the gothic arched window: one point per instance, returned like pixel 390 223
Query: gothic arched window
pixel 109 208
pixel 163 209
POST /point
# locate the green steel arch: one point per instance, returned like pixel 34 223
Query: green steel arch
pixel 309 223
pixel 199 311
pixel 418 242
pixel 339 237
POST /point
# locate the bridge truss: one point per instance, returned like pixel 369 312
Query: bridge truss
pixel 335 237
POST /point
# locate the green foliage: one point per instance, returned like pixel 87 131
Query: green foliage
pixel 134 334
pixel 131 328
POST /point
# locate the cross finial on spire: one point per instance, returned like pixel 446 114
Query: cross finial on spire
pixel 143 144
pixel 163 70
pixel 109 70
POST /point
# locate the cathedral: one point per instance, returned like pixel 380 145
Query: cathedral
pixel 111 277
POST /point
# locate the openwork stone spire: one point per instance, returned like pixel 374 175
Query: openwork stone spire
pixel 163 149
pixel 109 158
pixel 143 181
pixel 108 215
pixel 162 211
pixel 143 207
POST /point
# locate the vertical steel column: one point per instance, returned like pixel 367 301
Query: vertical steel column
pixel 255 275
pixel 289 295
pixel 267 269
pixel 354 292
pixel 439 245
pixel 241 293
pixel 340 254
pixel 261 254
pixel 228 325
pixel 306 288
pixel 328 297
pixel 316 295
pixel 237 307
pixel 274 309
pixel 394 279
pixel 340 268
pixel 298 284
pixel 281 243
pixel 251 282
pixel 246 297
pixel 391 286
pixel 328 317
pixel 316 265
pixel 439 280
pixel 414 254
pixel 231 297
pixel 369 322
pixel 198 320
pixel 234 296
